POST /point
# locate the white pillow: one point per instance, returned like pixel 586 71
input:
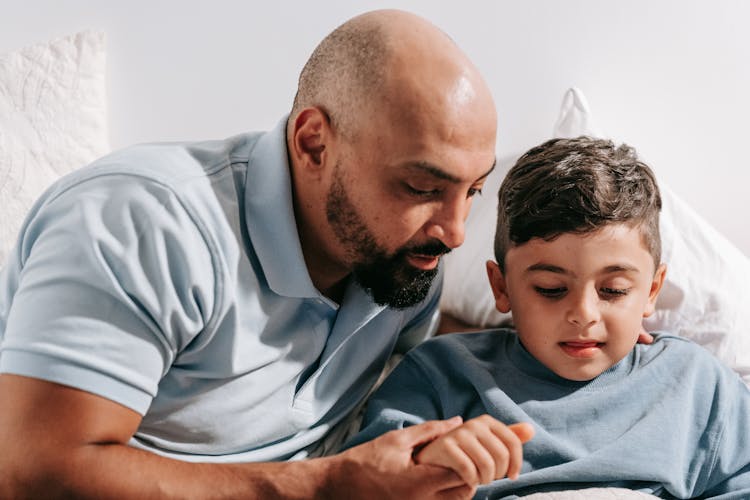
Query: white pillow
pixel 705 296
pixel 52 120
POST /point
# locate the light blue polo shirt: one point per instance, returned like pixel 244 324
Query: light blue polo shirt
pixel 170 279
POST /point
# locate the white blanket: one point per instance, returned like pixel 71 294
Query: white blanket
pixel 591 494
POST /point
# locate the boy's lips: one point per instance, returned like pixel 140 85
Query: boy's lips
pixel 581 349
pixel 423 262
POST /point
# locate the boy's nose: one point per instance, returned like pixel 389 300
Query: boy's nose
pixel 584 309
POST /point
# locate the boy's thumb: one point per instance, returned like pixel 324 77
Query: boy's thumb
pixel 523 430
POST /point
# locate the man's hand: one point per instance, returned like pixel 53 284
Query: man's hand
pixel 385 468
pixel 480 451
pixel 644 337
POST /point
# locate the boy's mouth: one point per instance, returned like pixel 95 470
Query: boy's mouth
pixel 580 349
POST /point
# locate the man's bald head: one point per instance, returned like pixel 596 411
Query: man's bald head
pixel 391 134
pixel 373 61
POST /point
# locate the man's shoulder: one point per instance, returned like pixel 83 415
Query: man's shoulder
pixel 196 175
pixel 175 162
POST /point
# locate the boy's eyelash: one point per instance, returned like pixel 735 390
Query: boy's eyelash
pixel 552 293
pixel 615 292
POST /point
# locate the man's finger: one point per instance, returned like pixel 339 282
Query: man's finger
pixel 435 477
pixel 645 338
pixel 416 435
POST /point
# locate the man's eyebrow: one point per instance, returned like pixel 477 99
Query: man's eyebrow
pixel 442 174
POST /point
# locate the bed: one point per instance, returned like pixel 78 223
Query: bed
pixel 53 118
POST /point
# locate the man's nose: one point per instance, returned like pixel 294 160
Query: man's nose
pixel 448 222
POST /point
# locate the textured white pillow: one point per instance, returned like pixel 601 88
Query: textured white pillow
pixel 466 291
pixel 52 120
pixel 705 295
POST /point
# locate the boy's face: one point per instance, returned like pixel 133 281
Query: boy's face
pixel 578 300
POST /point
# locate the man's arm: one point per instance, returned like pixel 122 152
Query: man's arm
pixel 60 442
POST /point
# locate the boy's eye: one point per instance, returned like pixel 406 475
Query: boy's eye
pixel 473 192
pixel 613 293
pixel 552 293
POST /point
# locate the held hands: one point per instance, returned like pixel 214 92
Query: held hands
pixel 479 451
pixel 453 459
pixel 385 468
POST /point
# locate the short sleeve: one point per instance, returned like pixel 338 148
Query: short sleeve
pixel 113 279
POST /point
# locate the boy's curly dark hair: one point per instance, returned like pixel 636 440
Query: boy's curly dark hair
pixel 576 186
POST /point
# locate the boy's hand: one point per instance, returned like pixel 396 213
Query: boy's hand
pixel 479 451
pixel 385 468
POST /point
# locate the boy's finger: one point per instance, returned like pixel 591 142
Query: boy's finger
pixel 482 457
pixel 512 438
pixel 523 430
pixel 452 456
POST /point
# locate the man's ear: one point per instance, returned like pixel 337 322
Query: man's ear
pixel 497 283
pixel 310 135
pixel 653 294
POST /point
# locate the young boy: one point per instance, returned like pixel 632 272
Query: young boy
pixel 578 264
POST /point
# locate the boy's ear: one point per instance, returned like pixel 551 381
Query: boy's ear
pixel 653 294
pixel 310 135
pixel 497 283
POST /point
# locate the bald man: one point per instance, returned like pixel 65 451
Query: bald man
pixel 195 319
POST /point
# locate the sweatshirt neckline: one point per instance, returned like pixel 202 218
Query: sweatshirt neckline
pixel 529 366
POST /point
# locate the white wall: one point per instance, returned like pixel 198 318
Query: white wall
pixel 670 77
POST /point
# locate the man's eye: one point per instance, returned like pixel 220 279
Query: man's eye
pixel 552 293
pixel 422 193
pixel 613 293
pixel 473 192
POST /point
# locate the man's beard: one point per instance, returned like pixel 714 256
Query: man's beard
pixel 389 279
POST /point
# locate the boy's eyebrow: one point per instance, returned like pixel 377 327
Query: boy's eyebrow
pixel 615 268
pixel 438 172
pixel 546 267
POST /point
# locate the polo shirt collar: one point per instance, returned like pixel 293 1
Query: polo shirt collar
pixel 269 212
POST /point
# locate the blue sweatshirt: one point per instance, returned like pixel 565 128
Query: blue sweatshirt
pixel 668 419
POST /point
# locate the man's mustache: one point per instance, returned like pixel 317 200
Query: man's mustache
pixel 433 249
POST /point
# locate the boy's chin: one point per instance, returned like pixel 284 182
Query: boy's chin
pixel 582 374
